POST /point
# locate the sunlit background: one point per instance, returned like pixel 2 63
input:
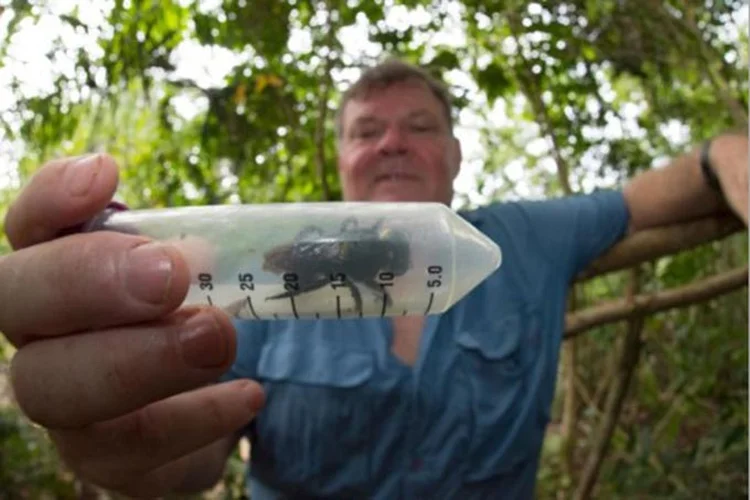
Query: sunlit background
pixel 662 76
pixel 34 58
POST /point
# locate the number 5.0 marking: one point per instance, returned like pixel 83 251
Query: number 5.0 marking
pixel 436 277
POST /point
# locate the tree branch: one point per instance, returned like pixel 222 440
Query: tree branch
pixel 693 293
pixel 530 88
pixel 626 366
pixel 709 56
pixel 320 130
pixel 654 243
pixel 320 126
pixel 569 417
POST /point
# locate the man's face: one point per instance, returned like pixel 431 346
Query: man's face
pixel 396 145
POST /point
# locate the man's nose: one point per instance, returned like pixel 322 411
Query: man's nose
pixel 393 141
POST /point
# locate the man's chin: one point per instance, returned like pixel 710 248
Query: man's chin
pixel 391 191
pixel 396 197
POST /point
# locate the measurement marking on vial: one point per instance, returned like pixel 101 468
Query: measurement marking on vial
pixel 252 309
pixel 429 304
pixel 317 315
pixel 275 316
pixel 338 307
pixel 210 302
pixel 294 307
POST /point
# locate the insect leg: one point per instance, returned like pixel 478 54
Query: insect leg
pixel 349 223
pixel 308 232
pixel 356 295
pixel 317 281
pixel 379 289
pixel 378 223
pixel 235 308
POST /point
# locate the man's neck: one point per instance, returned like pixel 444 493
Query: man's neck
pixel 407 334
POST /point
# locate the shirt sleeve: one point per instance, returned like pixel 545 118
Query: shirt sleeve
pixel 575 230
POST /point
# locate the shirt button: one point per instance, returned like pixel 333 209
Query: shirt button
pixel 416 464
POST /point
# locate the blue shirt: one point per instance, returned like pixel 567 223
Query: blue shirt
pixel 344 418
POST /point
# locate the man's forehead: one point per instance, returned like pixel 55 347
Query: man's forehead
pixel 402 98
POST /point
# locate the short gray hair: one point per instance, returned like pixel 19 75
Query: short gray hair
pixel 387 73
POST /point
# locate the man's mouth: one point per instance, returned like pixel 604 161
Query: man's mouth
pixel 395 177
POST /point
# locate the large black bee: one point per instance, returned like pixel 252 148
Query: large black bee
pixel 354 255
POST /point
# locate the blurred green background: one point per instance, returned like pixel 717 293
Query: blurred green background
pixel 225 102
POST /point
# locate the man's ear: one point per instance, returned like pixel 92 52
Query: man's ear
pixel 455 157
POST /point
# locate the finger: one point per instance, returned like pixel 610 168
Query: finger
pixel 88 281
pixel 145 444
pixel 79 379
pixel 61 194
pixel 156 483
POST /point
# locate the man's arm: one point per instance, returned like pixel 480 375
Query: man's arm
pixel 679 192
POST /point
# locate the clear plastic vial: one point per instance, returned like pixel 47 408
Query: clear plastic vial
pixel 320 260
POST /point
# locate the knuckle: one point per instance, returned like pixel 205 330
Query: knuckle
pixel 9 222
pixel 98 455
pixel 25 392
pixel 85 467
pixel 87 270
pixel 90 260
pixel 150 432
pixel 18 228
pixel 9 294
pixel 214 412
pixel 122 378
pixel 103 475
pixel 19 218
pixel 17 384
pixel 132 371
pixel 44 209
pixel 66 446
pixel 43 394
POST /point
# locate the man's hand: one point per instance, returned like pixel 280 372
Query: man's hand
pixel 123 381
pixel 729 156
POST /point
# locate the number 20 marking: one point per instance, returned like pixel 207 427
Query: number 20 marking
pixel 291 282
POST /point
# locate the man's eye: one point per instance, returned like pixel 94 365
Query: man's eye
pixel 423 127
pixel 365 133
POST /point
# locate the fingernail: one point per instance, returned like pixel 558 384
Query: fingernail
pixel 80 174
pixel 149 273
pixel 203 345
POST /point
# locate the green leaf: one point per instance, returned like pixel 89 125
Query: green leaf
pixel 493 80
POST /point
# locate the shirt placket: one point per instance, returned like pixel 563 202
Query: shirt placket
pixel 416 413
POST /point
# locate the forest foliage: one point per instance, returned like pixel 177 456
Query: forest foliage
pixel 214 102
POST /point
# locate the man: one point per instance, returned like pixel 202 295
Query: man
pixel 450 406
